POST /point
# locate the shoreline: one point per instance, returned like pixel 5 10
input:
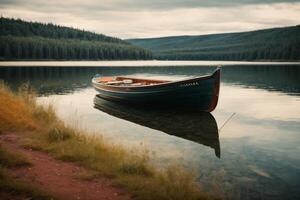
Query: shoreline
pixel 41 132
pixel 136 63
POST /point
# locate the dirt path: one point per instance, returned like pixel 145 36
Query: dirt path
pixel 59 178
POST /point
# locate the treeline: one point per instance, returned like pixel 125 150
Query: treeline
pixel 18 27
pixel 29 48
pixel 268 44
pixel 284 52
pixel 20 40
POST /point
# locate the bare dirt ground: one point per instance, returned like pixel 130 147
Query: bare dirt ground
pixel 59 178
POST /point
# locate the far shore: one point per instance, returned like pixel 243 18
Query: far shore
pixel 136 63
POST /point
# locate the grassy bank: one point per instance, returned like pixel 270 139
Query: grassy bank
pixel 42 130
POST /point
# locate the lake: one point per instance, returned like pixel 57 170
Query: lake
pixel 255 155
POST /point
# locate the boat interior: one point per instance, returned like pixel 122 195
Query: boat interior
pixel 128 81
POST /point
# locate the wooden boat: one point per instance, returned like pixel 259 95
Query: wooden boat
pixel 200 93
pixel 199 127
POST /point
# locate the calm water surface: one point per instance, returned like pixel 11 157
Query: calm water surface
pixel 256 155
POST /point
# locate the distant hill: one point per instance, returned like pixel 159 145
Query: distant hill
pixel 21 40
pixel 268 44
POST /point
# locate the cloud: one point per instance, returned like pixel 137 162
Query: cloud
pixel 138 5
pixel 141 18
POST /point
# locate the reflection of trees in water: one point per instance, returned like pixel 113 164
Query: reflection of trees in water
pixel 49 80
pixel 275 78
pixel 198 127
pixel 53 80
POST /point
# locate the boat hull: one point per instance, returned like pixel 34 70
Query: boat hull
pixel 197 93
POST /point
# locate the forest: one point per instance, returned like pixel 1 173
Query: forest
pixel 21 40
pixel 269 44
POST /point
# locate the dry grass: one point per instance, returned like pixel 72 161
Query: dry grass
pixel 9 159
pixel 129 168
pixel 15 114
pixel 19 112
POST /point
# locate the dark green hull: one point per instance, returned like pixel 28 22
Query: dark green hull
pixel 200 93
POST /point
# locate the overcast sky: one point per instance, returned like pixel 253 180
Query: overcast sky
pixel 154 18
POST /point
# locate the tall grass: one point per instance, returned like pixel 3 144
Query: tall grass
pixel 19 111
pixel 15 113
pixel 130 169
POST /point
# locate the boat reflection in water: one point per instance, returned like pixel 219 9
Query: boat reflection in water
pixel 200 127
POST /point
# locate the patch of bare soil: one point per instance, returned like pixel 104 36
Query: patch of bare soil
pixel 58 177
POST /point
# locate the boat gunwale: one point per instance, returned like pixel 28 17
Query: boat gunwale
pixel 159 84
